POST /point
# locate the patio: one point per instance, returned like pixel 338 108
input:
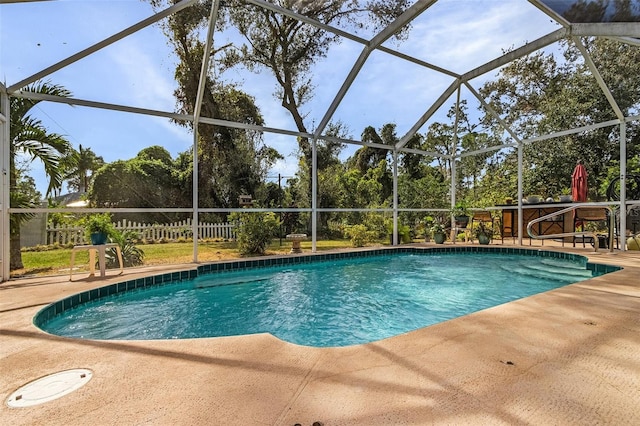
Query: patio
pixel 568 356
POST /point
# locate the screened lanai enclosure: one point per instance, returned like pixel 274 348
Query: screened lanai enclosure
pixel 317 110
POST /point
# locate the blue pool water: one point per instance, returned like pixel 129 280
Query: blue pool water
pixel 333 303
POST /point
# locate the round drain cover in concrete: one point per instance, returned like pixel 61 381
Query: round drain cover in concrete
pixel 50 387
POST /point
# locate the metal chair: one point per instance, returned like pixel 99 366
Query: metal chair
pixel 460 227
pixel 588 214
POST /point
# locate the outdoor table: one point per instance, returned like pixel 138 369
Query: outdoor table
pixel 101 249
pixel 554 225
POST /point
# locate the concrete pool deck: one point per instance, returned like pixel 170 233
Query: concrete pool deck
pixel 567 356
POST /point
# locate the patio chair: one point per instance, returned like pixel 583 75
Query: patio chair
pixel 589 214
pixel 460 227
pixel 483 216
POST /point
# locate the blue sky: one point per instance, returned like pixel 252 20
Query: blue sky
pixel 138 71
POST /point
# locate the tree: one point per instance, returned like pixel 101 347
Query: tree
pixel 414 165
pixel 536 95
pixel 602 10
pixel 143 183
pixel 156 153
pixel 442 138
pixel 231 162
pixel 288 48
pixel 80 166
pixel 29 137
pixel 25 195
pixel 372 161
pixel 329 168
pixel 280 44
pixel 472 167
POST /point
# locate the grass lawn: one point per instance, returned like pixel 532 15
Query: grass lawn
pixel 55 262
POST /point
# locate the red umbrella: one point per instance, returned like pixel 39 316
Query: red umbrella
pixel 579 186
pixel 579 182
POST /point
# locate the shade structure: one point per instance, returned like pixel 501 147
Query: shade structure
pixel 579 182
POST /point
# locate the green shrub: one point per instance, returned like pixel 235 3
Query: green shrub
pixel 376 223
pixel 404 232
pixel 254 231
pixel 131 255
pixel 335 229
pixel 360 235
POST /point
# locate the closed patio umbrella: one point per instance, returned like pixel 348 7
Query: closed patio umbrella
pixel 579 183
pixel 579 186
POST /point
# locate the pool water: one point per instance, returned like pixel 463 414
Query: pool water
pixel 333 303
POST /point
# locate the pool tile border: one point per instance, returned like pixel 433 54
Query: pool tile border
pixel 51 311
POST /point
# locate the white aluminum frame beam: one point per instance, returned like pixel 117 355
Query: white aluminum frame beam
pixel 606 29
pixel 104 43
pixel 572 131
pixel 625 40
pixel 314 194
pixel 395 198
pixel 423 119
pixel 550 12
pixel 101 105
pixel 493 112
pixel 454 157
pixel 412 12
pixel 528 48
pixel 204 71
pixel 622 209
pixel 5 153
pixel 346 84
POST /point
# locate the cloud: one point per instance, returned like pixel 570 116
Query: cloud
pixel 142 76
pixel 462 38
pixel 138 70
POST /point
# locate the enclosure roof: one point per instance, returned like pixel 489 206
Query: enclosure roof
pixel 576 11
pixel 572 19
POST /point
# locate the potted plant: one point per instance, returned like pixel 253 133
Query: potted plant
pixel 483 233
pixel 534 199
pixel 98 228
pixel 460 214
pixel 427 223
pixel 438 232
pixel 404 232
pixel 565 195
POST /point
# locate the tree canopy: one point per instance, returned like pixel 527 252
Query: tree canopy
pixel 536 95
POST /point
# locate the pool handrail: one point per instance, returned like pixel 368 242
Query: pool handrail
pixel 596 242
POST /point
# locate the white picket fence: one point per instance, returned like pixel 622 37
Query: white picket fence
pixel 64 234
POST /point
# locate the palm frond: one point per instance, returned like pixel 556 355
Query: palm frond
pixel 20 201
pixel 20 106
pixel 34 140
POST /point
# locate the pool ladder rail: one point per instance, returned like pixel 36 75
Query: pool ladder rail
pixel 596 242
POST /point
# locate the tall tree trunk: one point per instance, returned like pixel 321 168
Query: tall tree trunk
pixel 15 254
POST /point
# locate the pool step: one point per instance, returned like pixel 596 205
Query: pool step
pixel 570 270
pixel 553 263
pixel 549 272
pixel 217 282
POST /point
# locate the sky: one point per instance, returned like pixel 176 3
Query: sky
pixel 138 71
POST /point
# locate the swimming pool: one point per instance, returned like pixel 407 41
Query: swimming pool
pixel 334 302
